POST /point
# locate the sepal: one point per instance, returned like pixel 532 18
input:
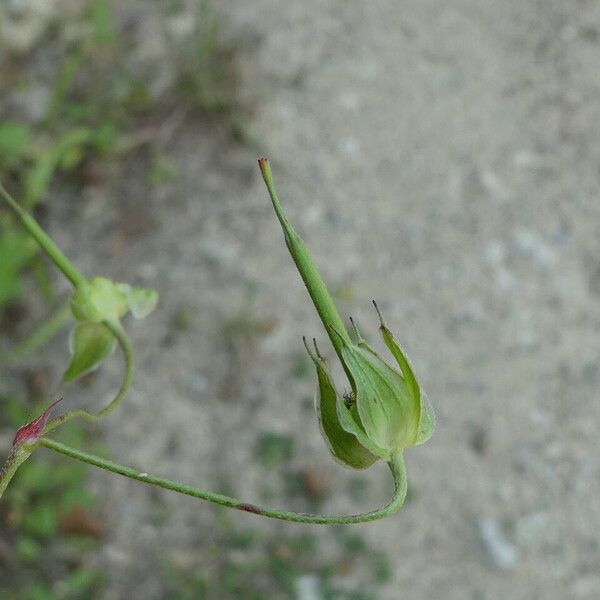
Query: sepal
pixel 90 344
pixel 344 445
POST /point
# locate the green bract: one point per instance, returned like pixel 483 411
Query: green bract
pixel 90 344
pixel 384 413
pixel 343 443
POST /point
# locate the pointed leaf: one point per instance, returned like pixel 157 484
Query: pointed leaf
pixel 402 360
pixel 90 343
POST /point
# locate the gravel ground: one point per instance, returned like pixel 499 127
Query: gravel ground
pixel 442 158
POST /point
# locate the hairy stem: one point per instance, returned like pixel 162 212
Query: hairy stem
pixel 125 345
pixel 396 466
pixel 15 459
pixel 53 252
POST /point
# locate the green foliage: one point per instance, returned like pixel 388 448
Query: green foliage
pixel 103 22
pixel 17 250
pixel 14 143
pixel 32 154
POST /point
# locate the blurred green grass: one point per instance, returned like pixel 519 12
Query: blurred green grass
pixel 100 109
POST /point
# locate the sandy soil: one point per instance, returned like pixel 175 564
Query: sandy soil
pixel 442 158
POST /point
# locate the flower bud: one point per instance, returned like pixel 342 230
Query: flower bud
pixel 31 432
pixel 23 445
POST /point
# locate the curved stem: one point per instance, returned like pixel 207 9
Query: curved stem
pixel 45 332
pixel 54 253
pixel 396 466
pixel 125 345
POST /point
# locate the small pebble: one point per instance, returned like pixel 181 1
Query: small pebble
pixel 536 530
pixel 504 555
pixel 534 247
pixel 308 587
pixel 495 252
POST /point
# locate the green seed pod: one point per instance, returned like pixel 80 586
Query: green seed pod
pixel 386 411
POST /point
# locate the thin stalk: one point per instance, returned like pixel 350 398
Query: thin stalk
pixel 308 270
pixel 45 241
pixel 127 350
pixel 396 466
pixel 44 333
pixel 15 459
